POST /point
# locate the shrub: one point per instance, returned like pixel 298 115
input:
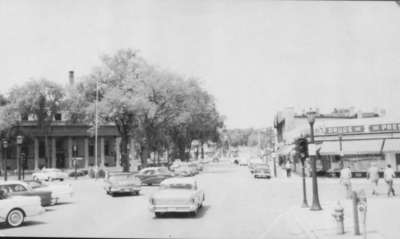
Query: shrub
pixel 91 173
pixel 101 173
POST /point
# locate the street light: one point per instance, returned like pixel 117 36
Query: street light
pixel 5 146
pixel 19 143
pixel 315 203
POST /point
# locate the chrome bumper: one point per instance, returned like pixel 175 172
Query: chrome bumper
pixel 173 208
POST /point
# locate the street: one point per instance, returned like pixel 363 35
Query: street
pixel 237 206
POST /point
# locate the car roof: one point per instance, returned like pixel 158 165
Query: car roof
pixel 9 182
pixel 179 180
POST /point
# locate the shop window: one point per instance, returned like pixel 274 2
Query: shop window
pixel 24 117
pixel 397 159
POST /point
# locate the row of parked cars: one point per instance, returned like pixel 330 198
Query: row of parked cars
pixel 21 199
pixel 178 190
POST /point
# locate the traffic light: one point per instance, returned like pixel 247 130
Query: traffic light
pixel 302 148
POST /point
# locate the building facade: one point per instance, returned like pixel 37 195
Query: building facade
pixel 343 137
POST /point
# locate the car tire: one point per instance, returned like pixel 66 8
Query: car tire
pixel 15 217
pixel 194 213
pixel 61 179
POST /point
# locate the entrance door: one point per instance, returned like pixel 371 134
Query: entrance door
pixel 60 160
pixel 60 153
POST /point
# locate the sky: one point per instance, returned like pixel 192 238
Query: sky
pixel 256 57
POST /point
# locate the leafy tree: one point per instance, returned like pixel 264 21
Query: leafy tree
pixel 42 99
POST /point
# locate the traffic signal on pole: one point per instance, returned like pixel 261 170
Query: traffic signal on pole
pixel 302 148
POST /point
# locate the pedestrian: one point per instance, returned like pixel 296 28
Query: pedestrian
pixel 373 176
pixel 345 179
pixel 288 168
pixel 389 175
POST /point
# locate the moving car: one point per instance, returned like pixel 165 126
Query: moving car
pixel 154 175
pixel 177 195
pixel 19 188
pixel 14 209
pixel 60 192
pixel 49 174
pixel 122 183
pixel 262 171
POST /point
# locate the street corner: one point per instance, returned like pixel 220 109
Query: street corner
pixel 324 224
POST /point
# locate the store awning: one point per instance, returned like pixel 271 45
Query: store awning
pixel 351 147
pixel 329 148
pixel 391 145
pixel 285 149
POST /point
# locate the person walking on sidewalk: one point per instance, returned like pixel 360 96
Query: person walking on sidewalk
pixel 389 175
pixel 345 179
pixel 288 168
pixel 373 176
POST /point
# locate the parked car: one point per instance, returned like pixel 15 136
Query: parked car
pixel 253 164
pixel 154 175
pixel 184 171
pixel 122 183
pixel 14 209
pixel 60 192
pixel 262 171
pixel 19 188
pixel 177 195
pixel 79 173
pixel 49 174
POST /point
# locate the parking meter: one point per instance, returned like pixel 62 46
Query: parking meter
pixel 362 208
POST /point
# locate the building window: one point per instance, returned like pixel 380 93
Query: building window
pixel 24 117
pixel 91 149
pixel 107 149
pixel 42 149
pixel 57 116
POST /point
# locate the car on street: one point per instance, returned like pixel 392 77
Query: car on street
pixel 19 188
pixel 117 183
pixel 49 174
pixel 154 175
pixel 184 171
pixel 253 164
pixel 60 192
pixel 262 171
pixel 177 195
pixel 14 209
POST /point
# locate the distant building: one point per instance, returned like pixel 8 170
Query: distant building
pixel 61 139
pixel 344 136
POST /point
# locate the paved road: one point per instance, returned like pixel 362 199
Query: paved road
pixel 237 206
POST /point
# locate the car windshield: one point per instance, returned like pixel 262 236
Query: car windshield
pixel 177 186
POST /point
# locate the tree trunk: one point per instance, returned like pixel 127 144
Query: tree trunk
pixel 124 153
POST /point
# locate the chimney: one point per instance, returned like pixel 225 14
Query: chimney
pixel 71 77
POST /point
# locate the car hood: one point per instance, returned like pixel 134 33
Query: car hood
pixel 173 193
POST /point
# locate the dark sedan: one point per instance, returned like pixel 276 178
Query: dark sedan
pixel 154 175
pixel 18 188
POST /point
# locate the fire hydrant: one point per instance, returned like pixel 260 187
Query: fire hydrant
pixel 338 214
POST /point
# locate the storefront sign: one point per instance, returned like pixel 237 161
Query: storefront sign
pixel 392 127
pixel 341 130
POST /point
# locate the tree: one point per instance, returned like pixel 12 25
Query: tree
pixel 120 94
pixel 41 99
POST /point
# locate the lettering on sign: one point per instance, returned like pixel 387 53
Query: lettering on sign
pixel 384 127
pixel 341 130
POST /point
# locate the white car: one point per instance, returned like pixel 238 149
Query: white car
pixel 60 192
pixel 49 174
pixel 14 209
pixel 177 195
